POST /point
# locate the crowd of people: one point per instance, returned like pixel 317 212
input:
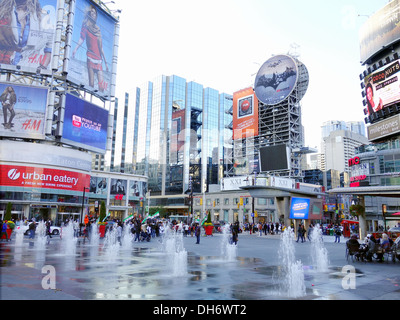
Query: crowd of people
pixel 371 248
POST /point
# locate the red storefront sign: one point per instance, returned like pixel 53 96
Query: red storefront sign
pixel 34 177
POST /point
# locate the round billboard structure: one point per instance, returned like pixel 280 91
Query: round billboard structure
pixel 278 78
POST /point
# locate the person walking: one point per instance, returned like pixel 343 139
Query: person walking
pixel 4 227
pixel 197 233
pixel 300 233
pixel 32 229
pixel 338 233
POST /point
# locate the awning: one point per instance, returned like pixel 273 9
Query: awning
pixel 349 221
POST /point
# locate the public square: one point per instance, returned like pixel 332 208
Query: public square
pixel 179 269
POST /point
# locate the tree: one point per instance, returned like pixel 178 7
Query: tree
pixel 102 211
pixel 7 215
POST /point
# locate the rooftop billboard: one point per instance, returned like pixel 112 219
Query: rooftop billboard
pixel 380 30
pixel 276 79
pixel 27 30
pixel 92 48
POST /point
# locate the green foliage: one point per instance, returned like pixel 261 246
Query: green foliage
pixel 7 216
pixel 102 211
pixel 357 210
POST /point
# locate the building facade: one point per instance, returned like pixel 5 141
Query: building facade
pixel 180 139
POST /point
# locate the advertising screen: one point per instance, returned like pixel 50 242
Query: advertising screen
pixel 35 177
pixel 27 31
pixel 380 30
pixel 245 114
pixel 85 124
pixel 382 87
pixel 276 79
pixel 299 208
pixel 92 48
pixel 24 111
pixel 274 158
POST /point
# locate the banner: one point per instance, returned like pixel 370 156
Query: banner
pixel 34 177
pixel 245 114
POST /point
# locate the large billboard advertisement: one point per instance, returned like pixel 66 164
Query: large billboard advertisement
pixel 27 29
pixel 24 111
pixel 382 87
pixel 245 114
pixel 92 48
pixel 299 208
pixel 85 125
pixel 380 30
pixel 276 79
pixel 35 177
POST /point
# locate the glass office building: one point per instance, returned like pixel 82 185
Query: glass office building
pixel 180 131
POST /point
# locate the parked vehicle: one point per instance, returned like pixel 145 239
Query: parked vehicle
pixel 53 229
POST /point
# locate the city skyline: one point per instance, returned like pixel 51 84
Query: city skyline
pixel 226 49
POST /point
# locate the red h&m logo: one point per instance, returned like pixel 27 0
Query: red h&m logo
pixel 119 196
pixel 76 121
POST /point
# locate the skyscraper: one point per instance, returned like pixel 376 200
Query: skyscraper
pixel 176 135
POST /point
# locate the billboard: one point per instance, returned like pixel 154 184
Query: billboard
pixel 92 48
pixel 380 30
pixel 85 125
pixel 24 111
pixel 27 30
pixel 276 79
pixel 382 87
pixel 245 114
pixel 384 128
pixel 35 177
pixel 98 185
pixel 299 208
pixel 273 158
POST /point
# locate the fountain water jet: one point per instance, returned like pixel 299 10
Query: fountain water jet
pixel 111 245
pixel 228 249
pixel 319 253
pixel 293 277
pixel 41 235
pixel 69 240
pixel 176 253
pixel 94 235
pixel 127 237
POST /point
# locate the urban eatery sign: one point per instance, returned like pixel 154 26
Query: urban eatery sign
pixel 35 177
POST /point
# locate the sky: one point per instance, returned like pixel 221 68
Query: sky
pixel 221 44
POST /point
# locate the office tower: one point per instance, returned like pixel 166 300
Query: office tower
pixel 181 127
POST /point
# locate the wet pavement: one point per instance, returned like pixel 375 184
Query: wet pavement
pixel 146 271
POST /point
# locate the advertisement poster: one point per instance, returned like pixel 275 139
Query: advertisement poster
pixel 276 79
pixel 380 30
pixel 299 208
pixel 23 111
pixel 98 185
pixel 92 48
pixel 137 189
pixel 85 124
pixel 382 88
pixel 27 29
pixel 245 114
pixel 35 177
